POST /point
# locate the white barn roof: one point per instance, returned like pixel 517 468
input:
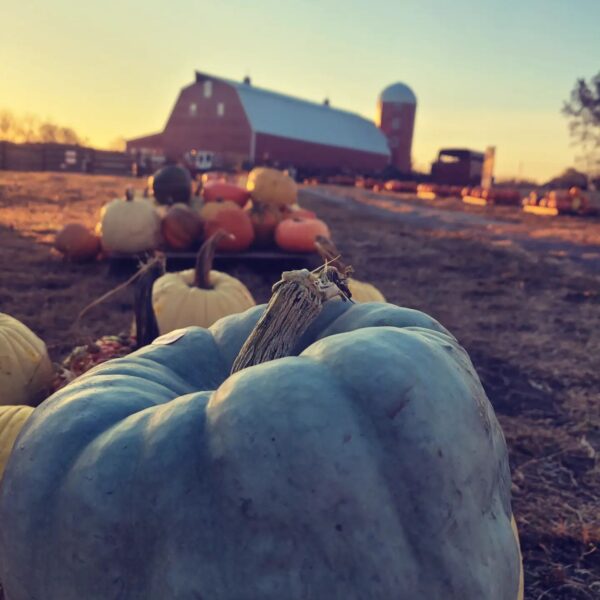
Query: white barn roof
pixel 285 116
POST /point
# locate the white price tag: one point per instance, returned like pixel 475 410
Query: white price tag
pixel 169 338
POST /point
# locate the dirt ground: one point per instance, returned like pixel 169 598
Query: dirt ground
pixel 527 311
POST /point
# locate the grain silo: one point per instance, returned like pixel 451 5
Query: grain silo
pixel 396 110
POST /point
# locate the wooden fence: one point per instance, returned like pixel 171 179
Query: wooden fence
pixel 63 157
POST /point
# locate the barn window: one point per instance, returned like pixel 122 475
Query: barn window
pixel 207 89
pixel 220 109
pixel 396 123
pixel 193 109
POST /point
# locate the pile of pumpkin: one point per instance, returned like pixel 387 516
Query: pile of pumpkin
pixel 571 201
pixel 495 195
pixel 262 214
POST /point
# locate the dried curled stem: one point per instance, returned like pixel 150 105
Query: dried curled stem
pixel 146 325
pixel 296 302
pixel 331 255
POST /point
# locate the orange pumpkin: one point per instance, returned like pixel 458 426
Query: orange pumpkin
pixel 182 227
pixel 264 220
pixel 235 221
pixel 298 234
pixel 223 190
pixel 77 242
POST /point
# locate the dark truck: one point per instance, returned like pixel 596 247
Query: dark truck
pixel 457 166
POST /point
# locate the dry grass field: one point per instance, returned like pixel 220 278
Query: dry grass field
pixel 521 293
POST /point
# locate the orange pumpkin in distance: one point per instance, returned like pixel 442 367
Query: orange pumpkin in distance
pixel 298 234
pixel 182 228
pixel 235 221
pixel 77 243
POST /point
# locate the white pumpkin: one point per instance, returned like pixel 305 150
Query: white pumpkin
pixel 129 226
pixel 25 368
pixel 199 296
pixel 12 419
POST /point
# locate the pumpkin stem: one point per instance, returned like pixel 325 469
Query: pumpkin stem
pixel 129 194
pixel 329 252
pixel 145 320
pixel 332 256
pixel 296 302
pixel 205 257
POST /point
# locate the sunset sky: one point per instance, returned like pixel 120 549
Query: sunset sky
pixel 487 72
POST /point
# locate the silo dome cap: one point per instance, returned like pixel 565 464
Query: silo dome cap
pixel 398 92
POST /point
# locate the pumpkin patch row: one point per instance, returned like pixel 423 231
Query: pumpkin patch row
pixel 573 201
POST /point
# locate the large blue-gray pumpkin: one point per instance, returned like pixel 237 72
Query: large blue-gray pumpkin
pixel 368 465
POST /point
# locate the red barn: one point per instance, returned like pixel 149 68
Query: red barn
pixel 239 122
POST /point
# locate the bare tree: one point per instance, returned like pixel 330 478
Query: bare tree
pixel 67 136
pixel 583 109
pixel 29 128
pixel 7 120
pixel 48 132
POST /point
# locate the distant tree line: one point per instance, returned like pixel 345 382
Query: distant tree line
pixel 32 129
